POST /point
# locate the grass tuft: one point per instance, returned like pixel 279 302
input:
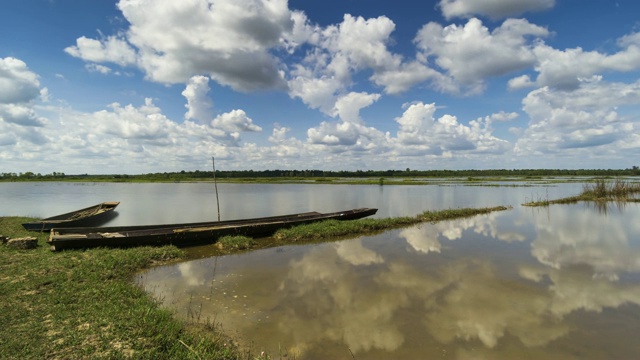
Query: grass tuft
pixel 236 242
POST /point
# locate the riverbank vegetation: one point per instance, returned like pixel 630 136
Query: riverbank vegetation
pixel 323 176
pixel 83 304
pixel 600 190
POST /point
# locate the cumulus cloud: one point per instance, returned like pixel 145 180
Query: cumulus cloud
pixel 471 53
pixel 21 115
pixel 317 93
pixel 199 105
pixel 584 118
pixel 18 84
pixel 401 78
pixel 494 9
pixel 111 49
pixel 235 121
pixel 354 45
pixel 351 130
pixel 229 41
pixel 19 91
pixel 566 69
pixel 421 133
pixel 146 123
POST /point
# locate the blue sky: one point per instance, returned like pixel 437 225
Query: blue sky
pixel 137 86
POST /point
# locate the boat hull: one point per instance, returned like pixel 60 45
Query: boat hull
pixel 188 234
pixel 83 217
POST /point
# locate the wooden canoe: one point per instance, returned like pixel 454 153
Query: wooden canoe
pixel 83 217
pixel 189 233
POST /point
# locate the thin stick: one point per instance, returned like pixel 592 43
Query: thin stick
pixel 215 183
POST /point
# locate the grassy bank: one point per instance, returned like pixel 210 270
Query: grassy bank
pixel 601 190
pixel 83 304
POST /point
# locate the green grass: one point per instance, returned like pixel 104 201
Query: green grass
pixel 83 304
pixel 230 243
pixel 337 229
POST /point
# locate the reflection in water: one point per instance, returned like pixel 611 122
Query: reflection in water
pixel 562 285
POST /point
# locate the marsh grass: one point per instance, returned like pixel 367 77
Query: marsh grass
pixel 615 189
pixel 83 304
pixel 601 190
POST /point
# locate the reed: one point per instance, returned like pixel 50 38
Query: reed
pixel 599 190
pixel 602 189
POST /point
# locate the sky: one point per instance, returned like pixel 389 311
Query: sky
pixel 140 86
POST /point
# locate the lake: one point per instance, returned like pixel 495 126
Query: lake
pixel 561 282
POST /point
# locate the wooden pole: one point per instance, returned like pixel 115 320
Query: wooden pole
pixel 215 183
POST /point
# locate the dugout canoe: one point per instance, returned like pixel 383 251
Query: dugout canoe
pixel 88 216
pixel 190 233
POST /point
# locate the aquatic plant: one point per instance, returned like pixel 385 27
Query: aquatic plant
pixel 599 190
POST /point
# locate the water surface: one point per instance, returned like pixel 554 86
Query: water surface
pixel 555 283
pixel 154 203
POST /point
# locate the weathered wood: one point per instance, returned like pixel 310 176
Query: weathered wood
pixel 23 243
pixel 81 217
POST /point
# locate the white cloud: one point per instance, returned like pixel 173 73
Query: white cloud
pixel 317 93
pixel 17 83
pixel 227 40
pixel 348 107
pixel 471 53
pixel 494 9
pixel 421 133
pixel 354 45
pixel 19 91
pixel 98 68
pixel 235 121
pixel 361 42
pixel 21 114
pixel 397 80
pixel 199 105
pixel 351 131
pixel 111 49
pixel 565 69
pixel 584 118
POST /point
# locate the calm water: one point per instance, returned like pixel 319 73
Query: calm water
pixel 545 283
pixel 561 283
pixel 192 202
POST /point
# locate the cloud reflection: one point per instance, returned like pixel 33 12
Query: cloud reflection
pixel 373 297
pixel 579 236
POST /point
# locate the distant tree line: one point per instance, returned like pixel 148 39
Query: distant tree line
pixel 301 174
